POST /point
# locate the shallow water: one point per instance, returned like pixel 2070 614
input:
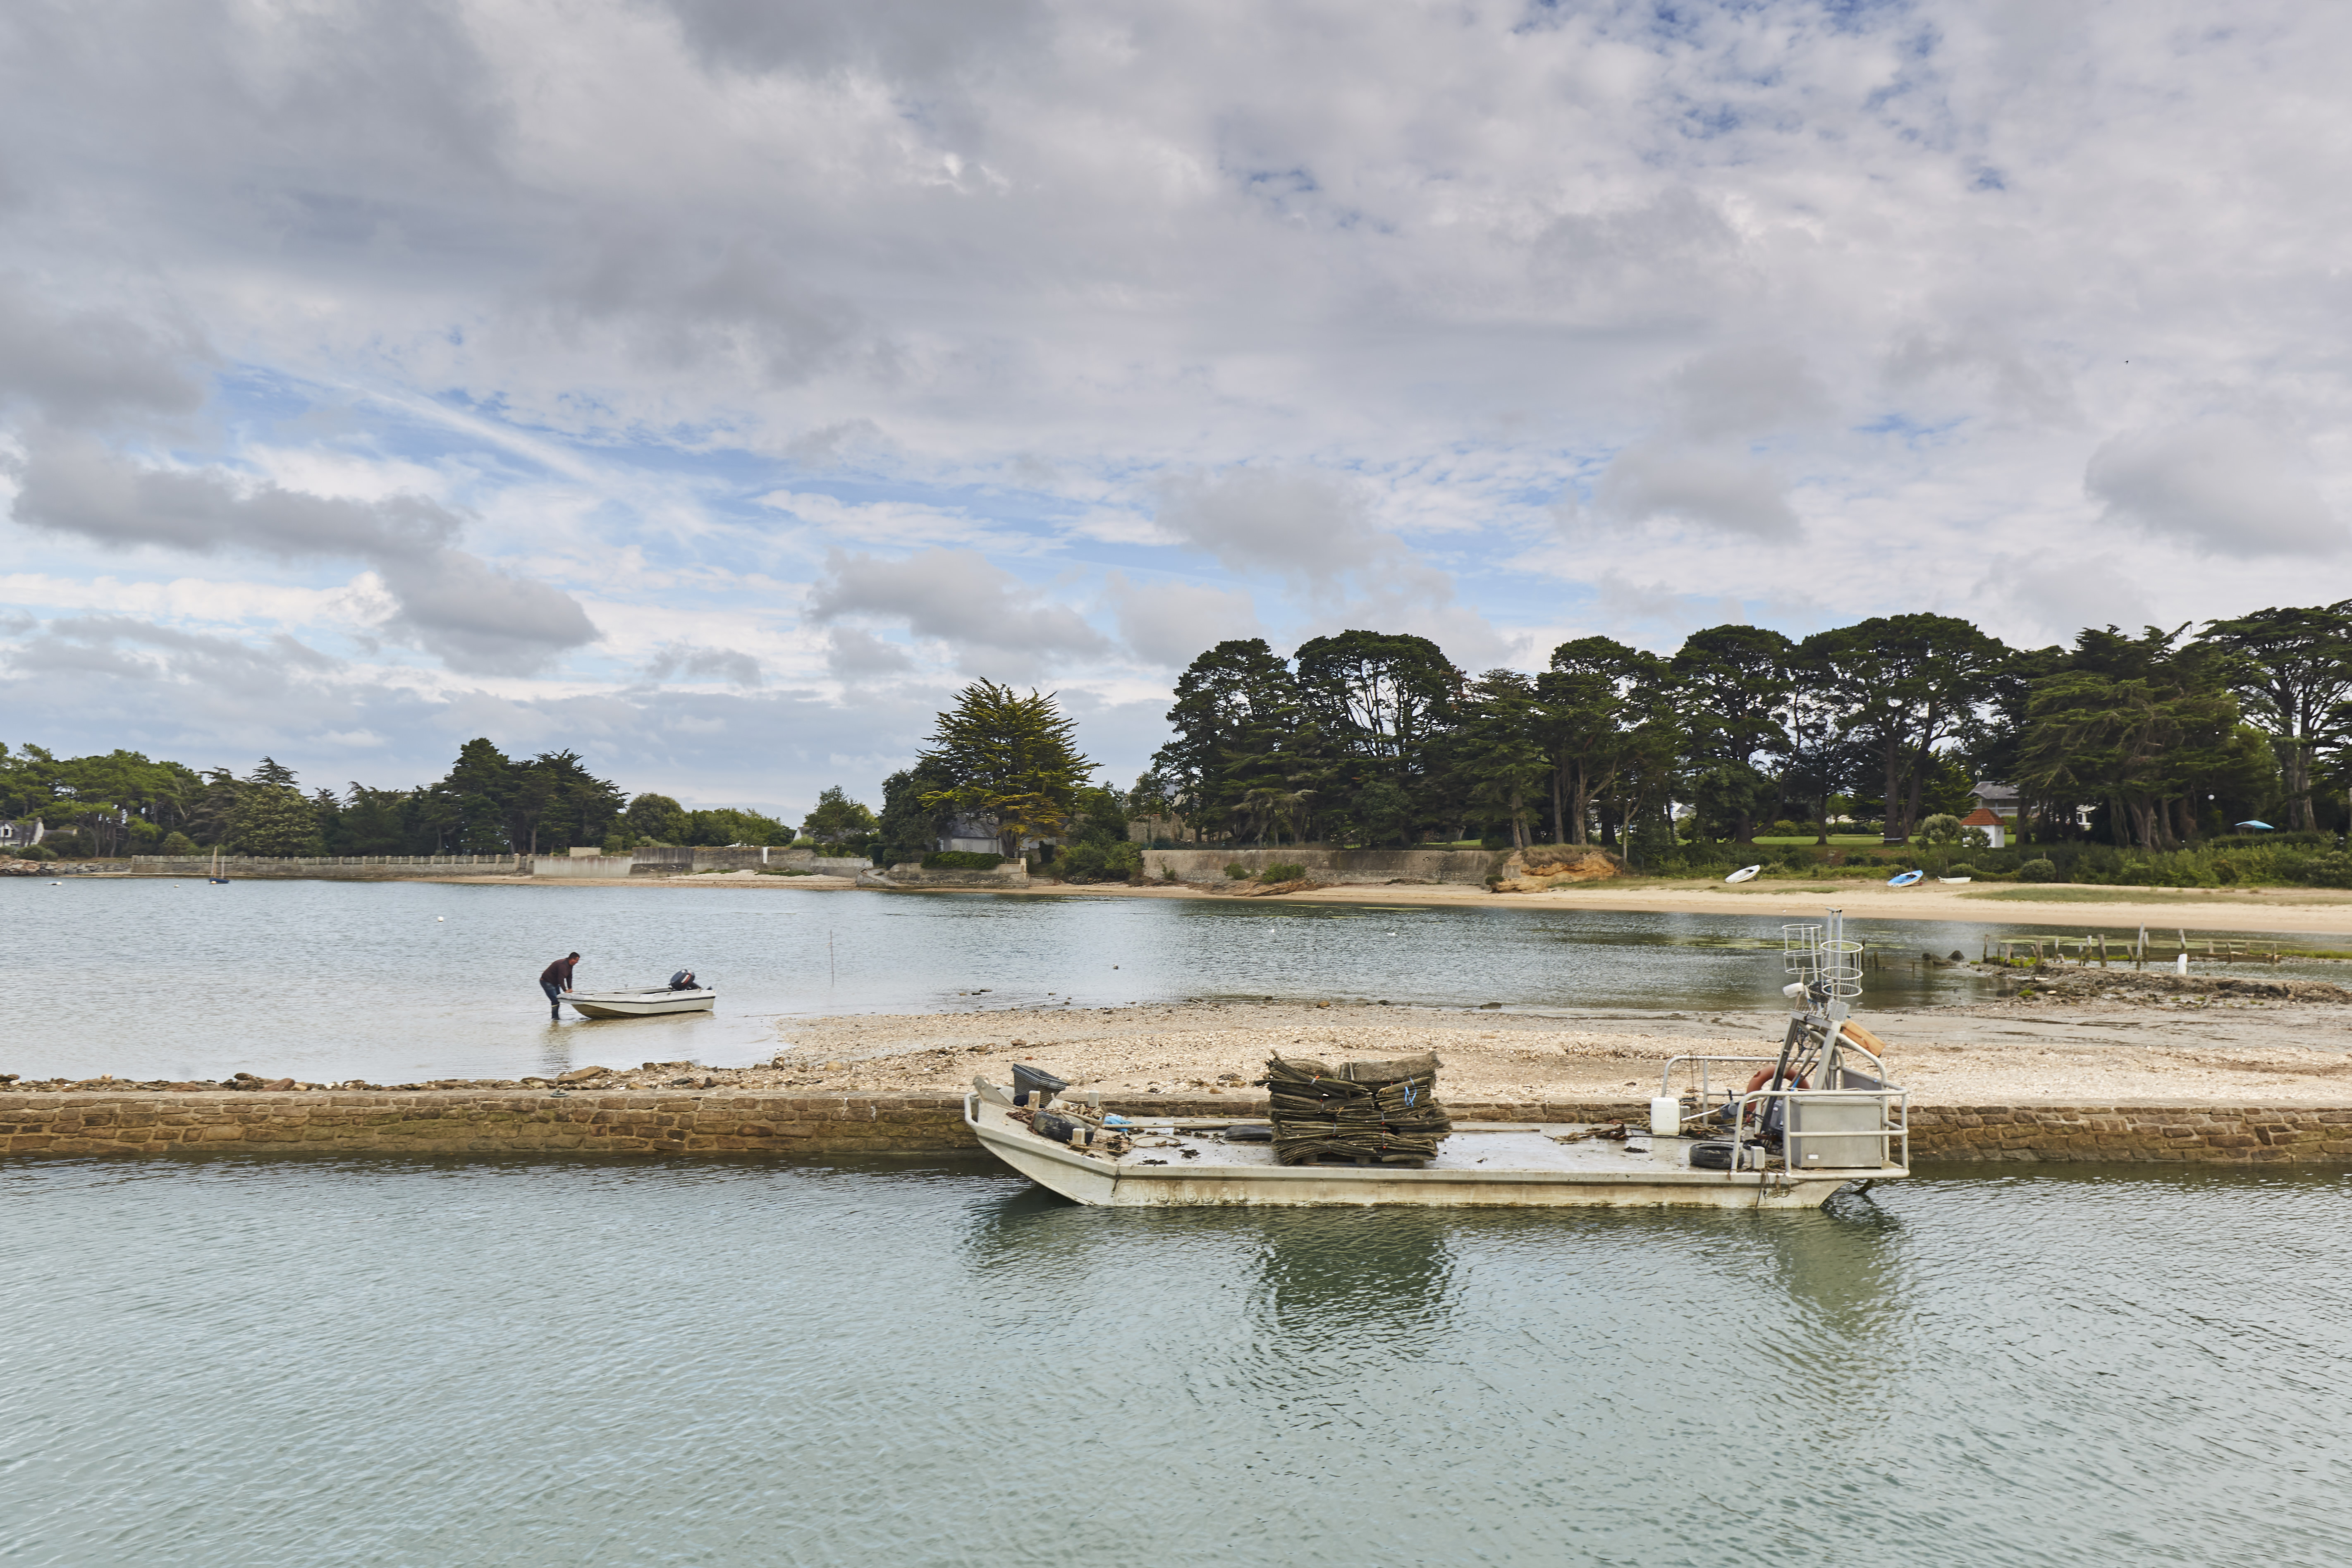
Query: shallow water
pixel 263 1363
pixel 400 980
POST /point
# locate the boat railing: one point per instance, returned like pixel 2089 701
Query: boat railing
pixel 1833 1126
pixel 1705 1087
pixel 1829 1129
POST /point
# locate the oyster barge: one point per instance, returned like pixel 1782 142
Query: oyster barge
pixel 1822 1117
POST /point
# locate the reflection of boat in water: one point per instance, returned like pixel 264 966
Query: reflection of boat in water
pixel 1813 1118
pixel 649 1002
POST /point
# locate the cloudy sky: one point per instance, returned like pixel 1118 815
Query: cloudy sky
pixel 713 385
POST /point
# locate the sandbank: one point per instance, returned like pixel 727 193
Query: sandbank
pixel 2323 913
pixel 2207 1049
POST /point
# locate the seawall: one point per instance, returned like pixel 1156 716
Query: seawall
pixel 1338 867
pixel 650 861
pixel 690 1123
pixel 357 867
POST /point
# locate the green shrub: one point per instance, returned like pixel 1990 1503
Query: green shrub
pixel 178 843
pixel 2042 870
pixel 1283 871
pixel 2333 869
pixel 1238 871
pixel 1097 862
pixel 1962 869
pixel 961 860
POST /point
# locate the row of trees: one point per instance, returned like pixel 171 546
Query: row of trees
pixel 488 803
pixel 1376 738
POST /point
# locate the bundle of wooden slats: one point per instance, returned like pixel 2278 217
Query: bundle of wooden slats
pixel 1383 1113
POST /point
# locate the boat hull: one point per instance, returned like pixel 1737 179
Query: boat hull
pixel 641 1004
pixel 1589 1177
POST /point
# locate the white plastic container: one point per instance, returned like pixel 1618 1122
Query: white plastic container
pixel 2181 964
pixel 1665 1116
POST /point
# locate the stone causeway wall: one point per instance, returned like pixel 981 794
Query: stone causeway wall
pixel 692 1122
pixel 1373 868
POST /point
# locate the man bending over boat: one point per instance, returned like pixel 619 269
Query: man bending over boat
pixel 555 980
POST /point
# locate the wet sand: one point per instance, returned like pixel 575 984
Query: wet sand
pixel 2218 1051
pixel 2323 914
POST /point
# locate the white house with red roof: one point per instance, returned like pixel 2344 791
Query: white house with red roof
pixel 1995 829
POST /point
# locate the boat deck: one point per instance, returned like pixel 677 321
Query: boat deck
pixel 1517 1146
pixel 1509 1165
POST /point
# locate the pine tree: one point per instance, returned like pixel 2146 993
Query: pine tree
pixel 1011 761
pixel 272 816
pixel 837 820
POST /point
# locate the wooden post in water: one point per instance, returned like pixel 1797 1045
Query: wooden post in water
pixel 2102 950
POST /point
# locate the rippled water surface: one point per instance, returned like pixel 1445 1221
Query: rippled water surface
pixel 294 1362
pixel 399 981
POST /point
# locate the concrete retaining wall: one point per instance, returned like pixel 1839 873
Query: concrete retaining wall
pixel 559 866
pixel 361 867
pixel 1008 874
pixel 527 1122
pixel 1335 866
pixel 654 861
pixel 664 859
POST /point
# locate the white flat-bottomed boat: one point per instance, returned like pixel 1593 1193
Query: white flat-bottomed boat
pixel 1184 1163
pixel 652 1002
pixel 1817 1116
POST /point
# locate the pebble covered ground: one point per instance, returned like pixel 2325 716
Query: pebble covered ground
pixel 2069 1041
pixel 2255 1050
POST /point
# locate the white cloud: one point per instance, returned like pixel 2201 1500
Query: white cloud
pixel 1169 624
pixel 472 615
pixel 1656 478
pixel 1306 527
pixel 517 305
pixel 857 656
pixel 2221 486
pixel 994 625
pixel 722 664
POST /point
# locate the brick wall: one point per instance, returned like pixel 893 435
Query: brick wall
pixel 525 1121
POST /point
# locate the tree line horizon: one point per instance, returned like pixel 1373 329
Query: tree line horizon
pixel 2159 739
pixel 1370 738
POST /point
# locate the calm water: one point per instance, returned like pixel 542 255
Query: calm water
pixel 306 1363
pixel 398 980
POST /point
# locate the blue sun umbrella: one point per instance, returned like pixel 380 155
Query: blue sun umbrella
pixel 2265 827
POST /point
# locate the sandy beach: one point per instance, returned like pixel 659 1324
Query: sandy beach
pixel 2324 914
pixel 2193 1046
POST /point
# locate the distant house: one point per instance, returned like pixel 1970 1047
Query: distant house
pixel 1995 830
pixel 2000 799
pixel 970 834
pixel 22 833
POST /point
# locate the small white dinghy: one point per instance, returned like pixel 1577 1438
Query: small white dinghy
pixel 1745 874
pixel 646 1004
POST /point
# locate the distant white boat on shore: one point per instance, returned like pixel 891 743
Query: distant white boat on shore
pixel 648 1002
